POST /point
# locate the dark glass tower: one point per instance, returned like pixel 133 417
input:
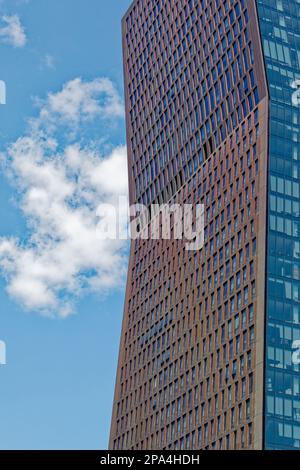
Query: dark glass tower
pixel 206 355
pixel 280 30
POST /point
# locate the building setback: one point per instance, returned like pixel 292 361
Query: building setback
pixel 208 354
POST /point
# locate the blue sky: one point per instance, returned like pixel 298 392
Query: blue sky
pixel 57 387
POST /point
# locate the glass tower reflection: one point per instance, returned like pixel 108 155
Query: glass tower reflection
pixel 280 30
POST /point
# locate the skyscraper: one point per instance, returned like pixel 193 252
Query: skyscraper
pixel 210 338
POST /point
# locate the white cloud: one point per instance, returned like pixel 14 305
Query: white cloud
pixel 60 188
pixel 81 101
pixel 12 32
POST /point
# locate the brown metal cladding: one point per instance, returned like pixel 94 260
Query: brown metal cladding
pixel 191 353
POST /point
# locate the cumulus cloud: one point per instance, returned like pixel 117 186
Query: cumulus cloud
pixel 12 32
pixel 61 187
pixel 80 101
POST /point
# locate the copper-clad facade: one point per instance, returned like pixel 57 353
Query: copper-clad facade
pixel 191 362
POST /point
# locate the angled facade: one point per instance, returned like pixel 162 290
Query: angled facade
pixel 208 353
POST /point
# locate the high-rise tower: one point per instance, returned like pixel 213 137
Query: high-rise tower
pixel 209 347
